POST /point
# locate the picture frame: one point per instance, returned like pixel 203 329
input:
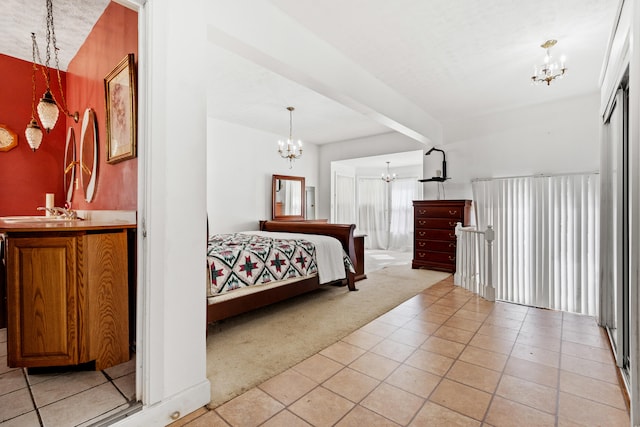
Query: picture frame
pixel 120 96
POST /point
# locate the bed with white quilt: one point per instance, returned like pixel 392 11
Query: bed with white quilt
pixel 252 269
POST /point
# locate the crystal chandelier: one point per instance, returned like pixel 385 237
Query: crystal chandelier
pixel 48 107
pixel 293 148
pixel 388 177
pixel 549 70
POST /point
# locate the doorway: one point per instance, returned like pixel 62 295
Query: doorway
pixel 310 202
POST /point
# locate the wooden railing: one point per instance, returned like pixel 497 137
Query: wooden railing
pixel 474 261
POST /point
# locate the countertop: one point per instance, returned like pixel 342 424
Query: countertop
pixel 12 227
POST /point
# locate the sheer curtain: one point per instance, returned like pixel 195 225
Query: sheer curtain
pixel 292 197
pixel 385 212
pixel 546 251
pixel 372 212
pixel 345 196
pixel 403 192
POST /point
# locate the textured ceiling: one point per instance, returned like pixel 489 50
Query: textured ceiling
pixel 73 20
pixel 452 59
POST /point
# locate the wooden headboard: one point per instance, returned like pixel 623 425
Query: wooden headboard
pixel 342 232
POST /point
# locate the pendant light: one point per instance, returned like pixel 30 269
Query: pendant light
pixel 293 148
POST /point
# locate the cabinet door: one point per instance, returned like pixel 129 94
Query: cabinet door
pixel 42 301
pixel 103 296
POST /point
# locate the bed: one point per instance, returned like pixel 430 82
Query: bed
pixel 292 279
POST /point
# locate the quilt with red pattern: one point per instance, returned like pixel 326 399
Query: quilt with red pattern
pixel 237 260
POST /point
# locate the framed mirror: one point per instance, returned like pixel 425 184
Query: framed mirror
pixel 69 165
pixel 287 198
pixel 89 154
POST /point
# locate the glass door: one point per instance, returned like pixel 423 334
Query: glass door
pixel 618 145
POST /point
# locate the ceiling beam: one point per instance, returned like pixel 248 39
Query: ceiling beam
pixel 261 33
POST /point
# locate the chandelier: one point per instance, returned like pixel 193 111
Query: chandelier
pixel 49 107
pixel 293 148
pixel 388 177
pixel 550 70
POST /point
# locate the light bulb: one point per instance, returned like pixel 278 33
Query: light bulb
pixel 33 133
pixel 48 111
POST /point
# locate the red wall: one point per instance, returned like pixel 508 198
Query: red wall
pixel 26 176
pixel 113 37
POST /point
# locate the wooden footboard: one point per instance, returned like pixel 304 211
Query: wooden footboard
pixel 342 232
pixel 234 306
pixel 251 301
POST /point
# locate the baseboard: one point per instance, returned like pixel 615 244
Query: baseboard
pixel 170 409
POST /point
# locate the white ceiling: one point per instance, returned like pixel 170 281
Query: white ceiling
pixel 451 59
pixel 73 20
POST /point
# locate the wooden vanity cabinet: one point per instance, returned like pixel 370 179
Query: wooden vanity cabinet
pixel 67 295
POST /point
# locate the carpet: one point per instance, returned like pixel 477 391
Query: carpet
pixel 246 350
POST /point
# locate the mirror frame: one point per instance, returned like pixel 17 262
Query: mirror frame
pixel 274 185
pixel 69 174
pixel 89 125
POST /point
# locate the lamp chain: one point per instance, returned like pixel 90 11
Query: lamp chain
pixel 291 124
pixel 55 55
pixel 36 55
pixel 34 47
pixel 48 36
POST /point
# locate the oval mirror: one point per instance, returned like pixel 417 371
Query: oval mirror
pixel 69 165
pixel 88 154
pixel 287 198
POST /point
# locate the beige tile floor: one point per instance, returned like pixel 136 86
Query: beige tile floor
pixel 444 358
pixel 62 399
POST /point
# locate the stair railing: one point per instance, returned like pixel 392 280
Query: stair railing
pixel 474 261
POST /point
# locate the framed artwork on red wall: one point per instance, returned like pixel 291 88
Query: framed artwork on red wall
pixel 120 93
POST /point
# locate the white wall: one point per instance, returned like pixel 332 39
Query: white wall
pixel 624 51
pixel 551 138
pixel 240 163
pixel 363 147
pixel 171 352
pixel 401 172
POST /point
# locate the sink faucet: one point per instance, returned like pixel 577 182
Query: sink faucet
pixel 60 212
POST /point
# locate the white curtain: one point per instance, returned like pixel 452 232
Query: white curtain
pixel 403 192
pixel 372 212
pixel 345 200
pixel 385 212
pixel 546 252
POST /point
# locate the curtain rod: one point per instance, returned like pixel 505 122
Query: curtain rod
pixel 540 175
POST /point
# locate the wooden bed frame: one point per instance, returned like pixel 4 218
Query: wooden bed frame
pixel 247 302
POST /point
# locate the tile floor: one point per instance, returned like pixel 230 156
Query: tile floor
pixel 443 358
pixel 62 399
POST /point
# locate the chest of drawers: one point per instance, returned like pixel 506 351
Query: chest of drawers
pixel 434 242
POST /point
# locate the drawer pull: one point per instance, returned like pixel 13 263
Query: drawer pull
pixel 453 212
pixel 421 244
pixel 452 224
pixel 421 255
pixel 422 211
pixel 452 236
pixel 452 245
pixel 422 222
pixel 452 258
pixel 422 233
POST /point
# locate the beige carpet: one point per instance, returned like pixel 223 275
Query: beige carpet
pixel 246 350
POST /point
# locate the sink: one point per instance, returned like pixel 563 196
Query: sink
pixel 35 219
